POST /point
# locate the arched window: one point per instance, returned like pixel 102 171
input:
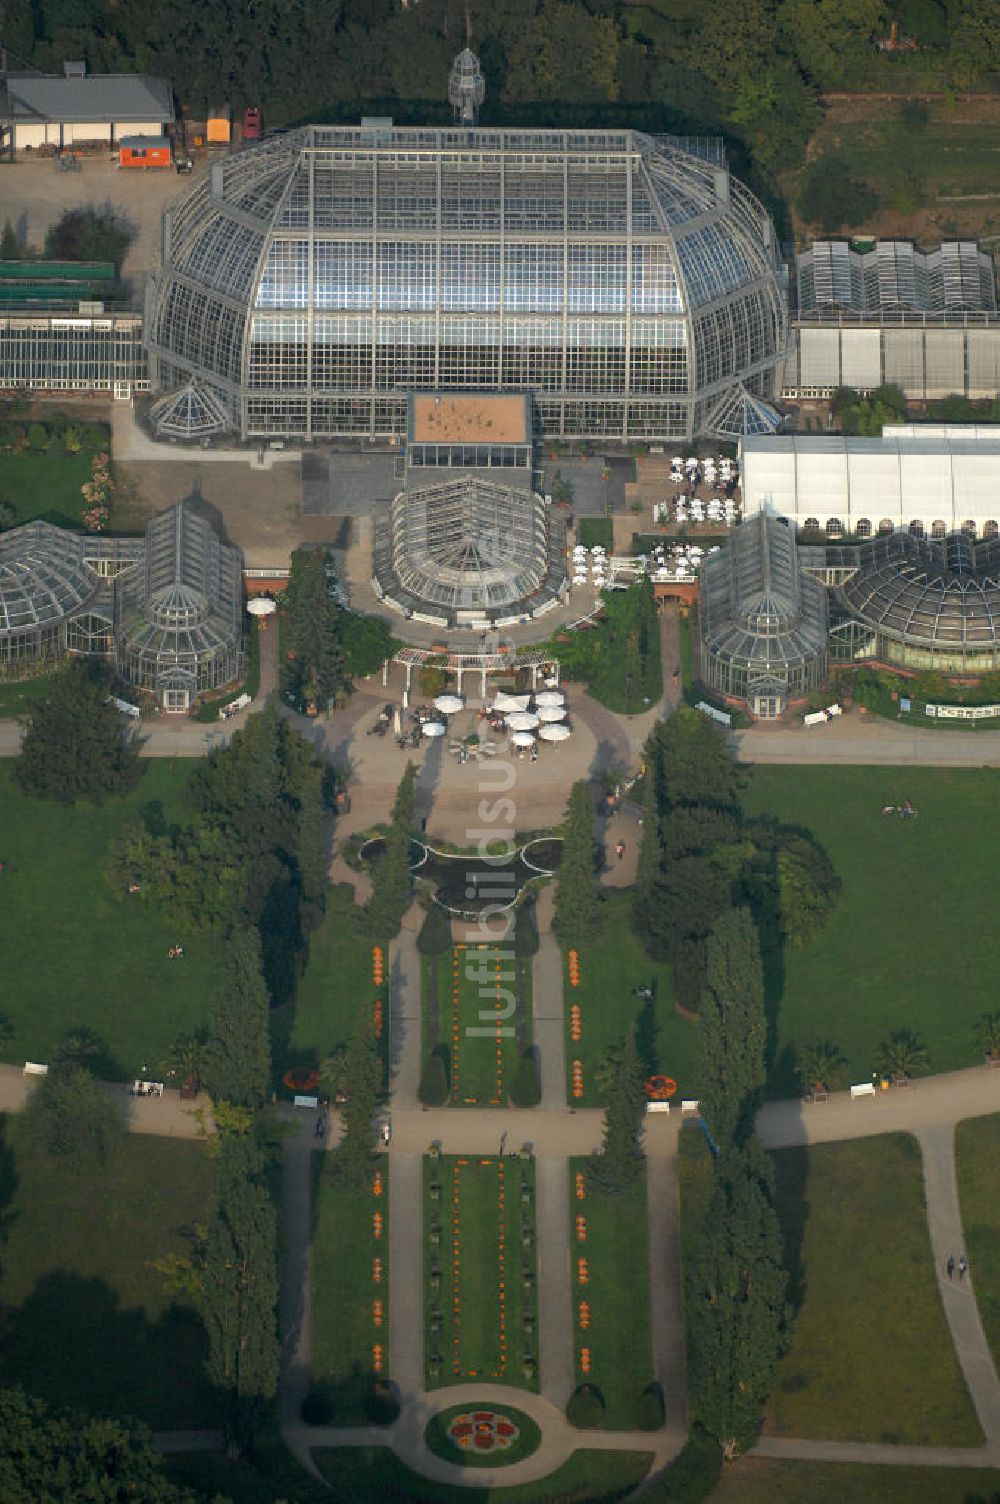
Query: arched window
pixel 938 528
pixel 990 528
pixel 886 525
pixel 834 527
pixel 811 524
pixel 969 528
pixel 917 528
pixel 864 527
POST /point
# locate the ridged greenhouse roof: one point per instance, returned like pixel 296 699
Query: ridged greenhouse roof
pixel 43 577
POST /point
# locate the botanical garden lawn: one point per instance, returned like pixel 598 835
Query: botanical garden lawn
pixel 912 943
pixel 375 1475
pixel 611 967
pixel 337 981
pixel 474 1016
pixel 977 1156
pixel 616 1250
pixel 760 1480
pixel 481 1297
pixel 16 695
pixel 48 488
pixel 344 1289
pixel 87 1322
pixel 871 1357
pixel 76 955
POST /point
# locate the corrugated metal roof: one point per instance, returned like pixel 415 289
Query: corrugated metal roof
pixel 99 97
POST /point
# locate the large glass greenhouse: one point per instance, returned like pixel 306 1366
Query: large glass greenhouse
pixel 764 620
pixel 630 284
pixel 179 615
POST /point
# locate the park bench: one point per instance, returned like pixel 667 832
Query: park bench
pixel 863 1089
pixel 301 1101
pixel 689 1109
pixel 32 1068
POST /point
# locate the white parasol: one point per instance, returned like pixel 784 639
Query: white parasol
pixel 504 702
pixel 549 697
pixel 551 713
pixel 433 728
pixel 555 733
pixel 522 720
pixel 523 739
pixel 261 605
pixel 448 704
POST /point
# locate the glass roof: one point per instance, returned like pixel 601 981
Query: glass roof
pixel 43 576
pixel 936 592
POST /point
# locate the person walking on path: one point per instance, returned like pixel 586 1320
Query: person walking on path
pixel 950 1266
pixel 963 1267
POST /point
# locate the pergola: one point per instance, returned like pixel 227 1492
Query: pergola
pixel 484 664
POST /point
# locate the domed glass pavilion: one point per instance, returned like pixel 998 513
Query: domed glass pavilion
pixel 928 603
pixel 51 598
pixel 630 284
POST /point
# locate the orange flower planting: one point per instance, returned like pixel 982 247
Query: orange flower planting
pixel 584 1313
pixel 377 1225
pixel 573 962
pixel 585 1359
pixel 378 1311
pixel 377 1184
pixel 378 965
pixel 577 1075
pixel 575 1023
pixel 376 1271
pixel 377 1017
pixel 581 1185
pixel 581 1229
pixel 378 1356
pixel 582 1271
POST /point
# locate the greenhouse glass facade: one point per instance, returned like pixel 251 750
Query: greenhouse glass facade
pixel 630 284
pixel 764 622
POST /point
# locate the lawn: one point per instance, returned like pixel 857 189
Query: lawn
pixel 86 1322
pixel 871 1357
pixel 338 980
pixel 40 487
pixel 471 1012
pixel 759 1480
pixel 609 1257
pixel 912 943
pixel 17 695
pixel 375 1475
pixel 350 1290
pixel 74 954
pixel 977 1155
pixel 480 1273
pixel 610 969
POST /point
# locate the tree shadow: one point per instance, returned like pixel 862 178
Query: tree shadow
pixel 791 1178
pixel 81 1045
pixel 9 1181
pixel 71 1344
pixel 645 1032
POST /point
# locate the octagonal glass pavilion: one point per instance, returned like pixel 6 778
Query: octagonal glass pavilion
pixel 470 550
pixel 630 284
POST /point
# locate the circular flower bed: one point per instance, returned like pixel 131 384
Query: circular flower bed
pixel 301 1080
pixel 484 1437
pixel 660 1088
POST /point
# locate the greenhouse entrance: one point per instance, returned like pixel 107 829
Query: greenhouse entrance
pixel 767 698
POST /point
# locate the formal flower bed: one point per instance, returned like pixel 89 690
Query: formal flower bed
pixel 480 1274
pixel 480 986
pixel 482 1436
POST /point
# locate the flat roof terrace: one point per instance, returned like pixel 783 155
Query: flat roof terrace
pixel 476 418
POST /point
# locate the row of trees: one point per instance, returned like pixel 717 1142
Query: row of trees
pixel 618 656
pixel 699 857
pixel 735 1288
pixel 326 648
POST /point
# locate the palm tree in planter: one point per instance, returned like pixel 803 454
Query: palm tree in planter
pixel 186 1060
pixel 988 1030
pixel 820 1067
pixel 903 1054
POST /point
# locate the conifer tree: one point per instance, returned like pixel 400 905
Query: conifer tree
pixel 76 743
pixel 238 1053
pixel 733 1028
pixel 391 877
pixel 577 906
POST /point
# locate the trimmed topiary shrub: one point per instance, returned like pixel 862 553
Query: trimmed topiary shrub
pixel 525 1089
pixel 317 1408
pixel 434 1087
pixel 585 1408
pixel 435 932
pixel 382 1404
pixel 649 1410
